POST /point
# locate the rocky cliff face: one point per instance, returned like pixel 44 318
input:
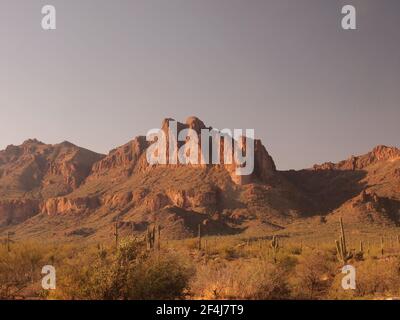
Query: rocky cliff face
pixel 34 172
pixel 124 158
pixel 264 166
pixel 131 157
pixel 64 205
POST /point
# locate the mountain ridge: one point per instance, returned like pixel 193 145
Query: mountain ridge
pixel 54 190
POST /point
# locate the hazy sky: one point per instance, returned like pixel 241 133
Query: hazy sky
pixel 114 69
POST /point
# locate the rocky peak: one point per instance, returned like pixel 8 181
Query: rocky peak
pixel 67 144
pixel 124 157
pixel 382 152
pixel 131 157
pixel 195 123
pixel 264 166
pixel 32 141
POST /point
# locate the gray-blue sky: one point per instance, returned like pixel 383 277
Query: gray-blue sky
pixel 114 69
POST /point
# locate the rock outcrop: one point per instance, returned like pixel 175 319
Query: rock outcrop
pixel 131 158
pixel 64 205
pixel 191 199
pixel 124 158
pixel 264 166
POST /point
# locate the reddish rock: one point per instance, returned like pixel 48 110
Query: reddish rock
pixel 156 202
pixel 190 199
pixel 64 205
pixel 124 157
pixel 119 199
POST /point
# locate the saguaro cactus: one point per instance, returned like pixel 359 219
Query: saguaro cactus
pixel 133 228
pixel 102 253
pixel 150 237
pixel 341 248
pixel 9 240
pixel 199 235
pixel 116 233
pixel 360 254
pixel 274 246
pixel 153 233
pixel 382 250
pixel 159 237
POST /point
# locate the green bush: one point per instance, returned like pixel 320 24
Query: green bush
pixel 130 273
pixel 163 277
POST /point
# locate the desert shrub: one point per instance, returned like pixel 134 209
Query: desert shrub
pixel 287 263
pixel 130 273
pixel 211 280
pixel 313 275
pixel 162 277
pixel 373 278
pixel 295 250
pixel 336 292
pixel 84 279
pixel 20 268
pixel 229 253
pixel 380 277
pixel 270 283
pixel 240 279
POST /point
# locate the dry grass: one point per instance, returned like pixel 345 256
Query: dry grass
pixel 227 267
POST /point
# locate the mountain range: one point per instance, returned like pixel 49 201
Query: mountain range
pixel 65 192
